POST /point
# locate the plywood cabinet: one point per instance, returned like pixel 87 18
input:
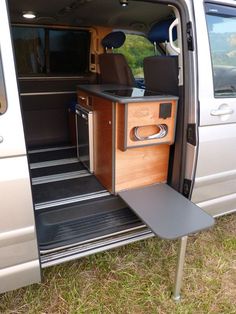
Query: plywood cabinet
pixel 121 160
pixel 145 162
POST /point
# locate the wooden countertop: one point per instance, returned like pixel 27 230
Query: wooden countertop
pixel 124 94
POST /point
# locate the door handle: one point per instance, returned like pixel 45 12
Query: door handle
pixel 222 112
pixel 1 139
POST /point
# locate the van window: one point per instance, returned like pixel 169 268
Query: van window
pixel 221 23
pixel 51 51
pixel 135 49
pixel 29 45
pixel 69 51
pixel 3 99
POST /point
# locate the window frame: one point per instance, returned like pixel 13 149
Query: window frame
pixel 224 11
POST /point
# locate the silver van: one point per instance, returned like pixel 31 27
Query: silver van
pixel 117 123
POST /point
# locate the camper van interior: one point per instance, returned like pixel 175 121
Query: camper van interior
pixel 103 101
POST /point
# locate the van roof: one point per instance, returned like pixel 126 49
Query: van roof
pixel 137 15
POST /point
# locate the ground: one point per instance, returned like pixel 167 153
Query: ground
pixel 138 279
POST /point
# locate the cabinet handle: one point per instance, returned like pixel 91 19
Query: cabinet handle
pixel 163 130
pixel 82 98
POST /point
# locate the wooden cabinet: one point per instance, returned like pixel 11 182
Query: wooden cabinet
pixel 140 164
pixel 122 161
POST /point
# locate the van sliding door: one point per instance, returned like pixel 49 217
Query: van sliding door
pixel 215 185
pixel 19 260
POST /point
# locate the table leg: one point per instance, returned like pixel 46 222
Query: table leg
pixel 179 268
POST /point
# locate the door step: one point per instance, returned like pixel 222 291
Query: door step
pixel 71 200
pixel 51 163
pixel 61 177
pixel 84 222
pixel 66 189
pixel 166 212
pixel 50 149
pixel 79 250
pixel 50 155
pixel 57 170
pixel 58 173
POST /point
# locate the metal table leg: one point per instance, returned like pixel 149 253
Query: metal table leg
pixel 179 268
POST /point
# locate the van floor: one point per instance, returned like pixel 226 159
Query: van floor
pixel 71 205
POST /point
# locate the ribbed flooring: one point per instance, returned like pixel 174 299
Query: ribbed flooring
pixel 54 170
pixel 48 192
pixel 72 210
pixel 111 216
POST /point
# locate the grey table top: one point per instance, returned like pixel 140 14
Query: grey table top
pixel 166 212
pixel 124 94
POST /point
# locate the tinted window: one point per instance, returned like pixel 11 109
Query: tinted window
pixel 46 51
pixel 221 22
pixel 68 51
pixel 29 46
pixel 3 99
pixel 135 49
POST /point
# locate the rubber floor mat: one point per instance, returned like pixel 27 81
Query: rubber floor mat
pixel 53 191
pixel 83 222
pixel 52 155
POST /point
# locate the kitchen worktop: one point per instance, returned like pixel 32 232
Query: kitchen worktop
pixel 124 94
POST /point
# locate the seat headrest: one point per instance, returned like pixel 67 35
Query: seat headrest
pixel 159 33
pixel 113 40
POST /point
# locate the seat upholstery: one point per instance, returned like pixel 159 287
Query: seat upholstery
pixel 114 68
pixel 161 72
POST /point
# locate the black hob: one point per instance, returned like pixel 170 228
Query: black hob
pixel 131 92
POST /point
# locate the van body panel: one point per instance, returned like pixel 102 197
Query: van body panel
pixel 19 275
pixel 215 181
pixel 220 206
pixel 11 128
pixel 19 262
pixel 216 171
pixel 17 236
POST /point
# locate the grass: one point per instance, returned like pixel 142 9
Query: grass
pixel 138 279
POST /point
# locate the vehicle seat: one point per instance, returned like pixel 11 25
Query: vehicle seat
pixel 161 72
pixel 114 68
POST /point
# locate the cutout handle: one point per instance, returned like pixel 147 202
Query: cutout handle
pixel 162 132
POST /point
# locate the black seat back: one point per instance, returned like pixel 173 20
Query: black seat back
pixel 161 72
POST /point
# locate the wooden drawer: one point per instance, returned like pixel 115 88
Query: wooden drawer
pixel 144 121
pixel 84 99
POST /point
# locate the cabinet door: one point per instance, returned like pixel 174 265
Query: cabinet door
pixel 19 262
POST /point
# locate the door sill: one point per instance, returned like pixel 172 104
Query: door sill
pixel 79 251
